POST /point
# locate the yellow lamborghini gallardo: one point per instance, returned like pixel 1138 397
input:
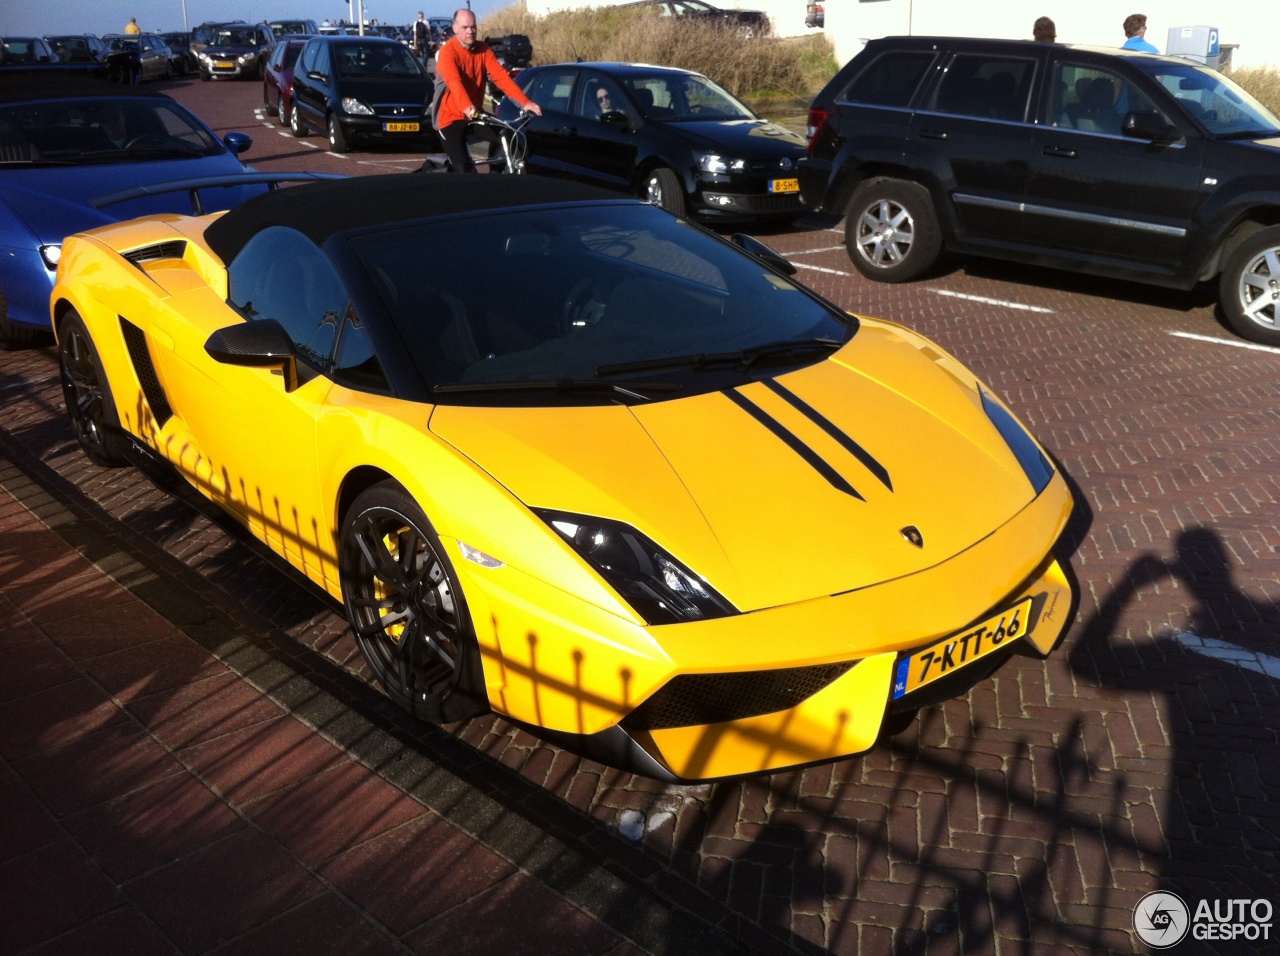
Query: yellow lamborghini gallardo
pixel 565 456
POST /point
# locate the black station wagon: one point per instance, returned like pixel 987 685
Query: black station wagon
pixel 1109 162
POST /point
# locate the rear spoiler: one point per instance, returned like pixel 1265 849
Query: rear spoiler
pixel 193 186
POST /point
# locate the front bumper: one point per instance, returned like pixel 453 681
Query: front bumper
pixel 372 129
pixel 744 195
pixel 765 690
pixel 229 68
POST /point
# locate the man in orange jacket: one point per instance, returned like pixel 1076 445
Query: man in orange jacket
pixel 464 63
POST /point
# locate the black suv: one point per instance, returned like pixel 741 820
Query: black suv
pixel 1102 161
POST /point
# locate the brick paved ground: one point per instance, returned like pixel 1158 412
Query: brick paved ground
pixel 1028 816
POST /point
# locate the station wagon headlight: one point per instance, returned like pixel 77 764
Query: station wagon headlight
pixel 656 584
pixel 354 107
pixel 247 57
pixel 1034 464
pixel 715 163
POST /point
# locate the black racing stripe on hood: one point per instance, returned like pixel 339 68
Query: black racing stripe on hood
pixel 845 441
pixel 811 457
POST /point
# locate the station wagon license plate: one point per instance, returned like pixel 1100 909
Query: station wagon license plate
pixel 400 127
pixel 944 657
pixel 225 64
pixel 784 185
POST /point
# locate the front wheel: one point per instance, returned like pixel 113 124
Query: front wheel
pixel 1249 289
pixel 891 232
pixel 337 140
pixel 296 125
pixel 406 608
pixel 88 395
pixel 662 188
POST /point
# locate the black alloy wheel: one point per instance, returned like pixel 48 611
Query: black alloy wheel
pixel 406 608
pixel 662 188
pixel 90 406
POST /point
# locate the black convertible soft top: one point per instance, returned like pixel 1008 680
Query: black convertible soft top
pixel 321 210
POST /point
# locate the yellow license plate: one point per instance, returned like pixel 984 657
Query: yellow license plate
pixel 400 127
pixel 784 185
pixel 226 64
pixel 943 658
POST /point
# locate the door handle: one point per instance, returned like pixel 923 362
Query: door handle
pixel 932 134
pixel 1060 151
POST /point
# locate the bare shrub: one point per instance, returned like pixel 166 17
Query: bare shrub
pixel 1263 82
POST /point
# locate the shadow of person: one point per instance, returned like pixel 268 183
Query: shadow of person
pixel 1208 728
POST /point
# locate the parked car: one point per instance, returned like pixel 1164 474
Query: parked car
pixel 514 51
pixel 280 28
pixel 361 90
pixel 277 81
pixel 80 48
pixel 814 15
pixel 1102 161
pixel 749 23
pixel 512 418
pixel 202 34
pixel 26 51
pixel 236 51
pixel 65 145
pixel 180 55
pixel 671 136
pixel 136 57
pixel 441 29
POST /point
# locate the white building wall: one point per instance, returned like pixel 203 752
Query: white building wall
pixel 1254 26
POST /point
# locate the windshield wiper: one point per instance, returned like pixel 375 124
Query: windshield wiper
pixel 1249 134
pixel 632 390
pixel 742 358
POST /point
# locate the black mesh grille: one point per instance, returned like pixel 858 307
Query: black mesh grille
pixel 136 341
pixel 784 203
pixel 173 249
pixel 693 699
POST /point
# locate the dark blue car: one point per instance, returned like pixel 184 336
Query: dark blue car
pixel 65 147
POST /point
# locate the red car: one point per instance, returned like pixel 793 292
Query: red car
pixel 277 78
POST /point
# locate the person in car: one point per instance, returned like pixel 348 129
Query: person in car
pixel 463 65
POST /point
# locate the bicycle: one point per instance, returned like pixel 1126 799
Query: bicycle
pixel 492 130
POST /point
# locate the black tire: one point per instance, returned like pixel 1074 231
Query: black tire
pixel 296 126
pixel 662 188
pixel 14 337
pixel 337 140
pixel 1249 288
pixel 891 232
pixel 87 392
pixel 407 610
pixel 266 103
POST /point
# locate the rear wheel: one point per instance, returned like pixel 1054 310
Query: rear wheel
pixel 1249 289
pixel 891 232
pixel 266 103
pixel 295 121
pixel 337 140
pixel 662 188
pixel 88 395
pixel 406 608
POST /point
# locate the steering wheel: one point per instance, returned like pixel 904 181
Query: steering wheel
pixel 144 139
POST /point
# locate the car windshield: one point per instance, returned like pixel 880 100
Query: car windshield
pixel 281 27
pixel 1223 108
pixel 235 38
pixel 684 97
pixel 100 130
pixel 561 296
pixel 375 59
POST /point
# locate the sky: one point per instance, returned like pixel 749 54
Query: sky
pixel 46 17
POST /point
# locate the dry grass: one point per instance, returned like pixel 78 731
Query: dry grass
pixel 792 68
pixel 1263 82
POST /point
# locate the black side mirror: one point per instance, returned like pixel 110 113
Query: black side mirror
pixel 754 247
pixel 1151 125
pixel 262 343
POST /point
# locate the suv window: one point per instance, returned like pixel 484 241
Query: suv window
pixel 1093 100
pixel 891 80
pixel 986 87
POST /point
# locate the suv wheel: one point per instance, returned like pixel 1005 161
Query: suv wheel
pixel 1250 287
pixel 891 232
pixel 296 125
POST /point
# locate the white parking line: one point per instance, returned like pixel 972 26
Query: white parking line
pixel 1230 653
pixel 1003 303
pixel 1232 342
pixel 809 252
pixel 834 272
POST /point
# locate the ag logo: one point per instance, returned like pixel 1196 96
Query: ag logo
pixel 912 534
pixel 1161 919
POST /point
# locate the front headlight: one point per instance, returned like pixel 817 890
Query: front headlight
pixel 247 57
pixel 1034 464
pixel 353 107
pixel 51 254
pixel 659 587
pixel 715 163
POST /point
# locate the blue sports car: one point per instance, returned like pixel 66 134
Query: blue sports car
pixel 77 153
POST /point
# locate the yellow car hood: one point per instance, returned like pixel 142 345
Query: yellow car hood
pixel 781 491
